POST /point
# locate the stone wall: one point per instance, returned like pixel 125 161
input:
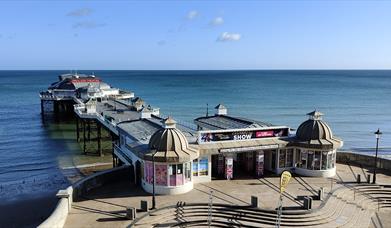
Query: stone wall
pixel 75 193
pixel 362 159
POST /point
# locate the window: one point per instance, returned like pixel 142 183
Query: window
pixel 282 158
pixel 317 160
pixel 188 172
pixel 333 161
pixel 310 160
pixel 289 158
pixel 324 160
pixel 303 159
pixel 330 160
pixel 297 158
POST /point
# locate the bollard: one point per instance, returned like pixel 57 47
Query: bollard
pixel 320 193
pixel 130 213
pixel 144 206
pixel 358 178
pixel 307 203
pixel 254 201
pixel 369 178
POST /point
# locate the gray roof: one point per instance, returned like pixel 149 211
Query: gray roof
pixel 140 130
pixel 228 122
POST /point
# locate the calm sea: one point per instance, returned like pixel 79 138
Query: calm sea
pixel 355 104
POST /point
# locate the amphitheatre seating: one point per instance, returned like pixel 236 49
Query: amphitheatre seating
pixel 347 206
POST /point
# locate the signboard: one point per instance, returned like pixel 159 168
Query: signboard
pixel 241 134
pixel 229 169
pixel 284 180
pixel 259 163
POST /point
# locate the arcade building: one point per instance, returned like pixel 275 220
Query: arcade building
pixel 171 157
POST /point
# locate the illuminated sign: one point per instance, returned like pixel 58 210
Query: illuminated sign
pixel 241 134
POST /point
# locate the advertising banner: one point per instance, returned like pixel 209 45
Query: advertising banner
pixel 161 174
pixel 234 135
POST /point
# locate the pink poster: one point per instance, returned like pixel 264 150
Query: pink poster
pixel 148 171
pixel 161 174
pixel 179 179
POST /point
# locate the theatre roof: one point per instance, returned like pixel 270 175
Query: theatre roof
pixel 228 122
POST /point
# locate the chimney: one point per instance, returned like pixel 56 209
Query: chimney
pixel 221 110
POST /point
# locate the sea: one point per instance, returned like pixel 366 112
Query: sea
pixel 35 155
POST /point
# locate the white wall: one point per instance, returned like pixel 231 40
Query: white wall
pixel 167 190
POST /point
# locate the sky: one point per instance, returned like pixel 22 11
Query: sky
pixel 194 35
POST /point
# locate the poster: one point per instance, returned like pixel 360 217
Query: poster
pixel 229 170
pixel 259 163
pixel 161 174
pixel 195 168
pixel 148 172
pixel 203 166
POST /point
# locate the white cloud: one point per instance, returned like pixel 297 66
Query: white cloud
pixel 88 25
pixel 192 14
pixel 226 36
pixel 80 12
pixel 217 21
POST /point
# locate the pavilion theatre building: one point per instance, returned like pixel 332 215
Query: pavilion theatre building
pixel 223 147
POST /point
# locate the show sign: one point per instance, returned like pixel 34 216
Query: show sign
pixel 241 134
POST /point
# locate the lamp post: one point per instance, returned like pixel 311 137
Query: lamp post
pixel 377 133
pixel 153 181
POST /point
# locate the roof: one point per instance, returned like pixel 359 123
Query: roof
pixel 169 144
pixel 141 129
pixel 220 106
pixel 228 122
pixel 75 81
pixel 315 133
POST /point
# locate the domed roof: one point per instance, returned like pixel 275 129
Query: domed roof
pixel 314 128
pixel 170 145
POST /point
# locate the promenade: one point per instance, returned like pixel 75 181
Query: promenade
pixel 105 206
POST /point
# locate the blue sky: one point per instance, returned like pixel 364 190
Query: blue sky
pixel 195 35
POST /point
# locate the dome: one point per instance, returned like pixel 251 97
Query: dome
pixel 314 128
pixel 170 145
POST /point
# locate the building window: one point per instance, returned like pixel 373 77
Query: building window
pixel 324 160
pixel 329 160
pixel 297 158
pixel 317 160
pixel 289 158
pixel 333 161
pixel 310 160
pixel 303 159
pixel 282 158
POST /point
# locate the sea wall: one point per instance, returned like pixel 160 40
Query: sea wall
pixel 83 186
pixel 59 215
pixel 362 159
pixel 77 190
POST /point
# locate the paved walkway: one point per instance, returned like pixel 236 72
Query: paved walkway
pixel 105 207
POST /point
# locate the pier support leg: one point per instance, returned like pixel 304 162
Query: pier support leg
pixel 77 129
pixel 84 137
pixel 89 130
pixel 99 128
